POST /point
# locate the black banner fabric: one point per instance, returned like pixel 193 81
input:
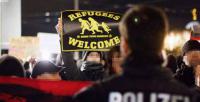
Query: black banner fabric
pixel 89 30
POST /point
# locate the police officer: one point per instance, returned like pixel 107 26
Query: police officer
pixel 142 29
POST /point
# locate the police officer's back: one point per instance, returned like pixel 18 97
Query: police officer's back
pixel 142 29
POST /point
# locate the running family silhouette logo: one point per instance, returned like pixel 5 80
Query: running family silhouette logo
pixel 89 30
pixel 93 26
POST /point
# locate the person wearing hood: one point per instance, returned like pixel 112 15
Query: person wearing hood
pixel 92 66
pixel 187 63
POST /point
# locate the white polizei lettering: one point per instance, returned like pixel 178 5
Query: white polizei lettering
pixel 126 97
pixel 153 97
pixel 186 99
pixel 115 97
pixel 129 97
pixel 177 98
pixel 140 97
pixel 164 97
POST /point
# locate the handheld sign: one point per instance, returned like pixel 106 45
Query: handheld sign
pixel 89 30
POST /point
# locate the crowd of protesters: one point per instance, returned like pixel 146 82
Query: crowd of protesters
pixel 93 66
pixel 137 68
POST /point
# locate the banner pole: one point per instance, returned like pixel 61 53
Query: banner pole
pixel 76 4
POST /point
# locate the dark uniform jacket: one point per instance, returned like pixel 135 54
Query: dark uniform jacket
pixel 142 81
pixel 186 76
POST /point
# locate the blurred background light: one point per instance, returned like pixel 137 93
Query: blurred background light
pixel 175 40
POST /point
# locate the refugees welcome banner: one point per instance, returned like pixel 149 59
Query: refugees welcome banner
pixel 89 30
